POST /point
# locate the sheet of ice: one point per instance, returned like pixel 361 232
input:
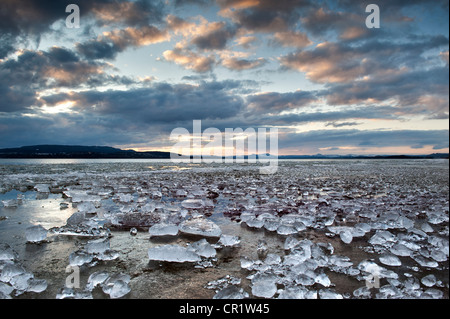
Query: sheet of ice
pixel 5 290
pixel 79 258
pixel 193 204
pixel 7 253
pixel 96 279
pixel 231 292
pixel 297 292
pixel 10 203
pixel 110 282
pixel 20 281
pixel 200 226
pixel 97 246
pixel 118 289
pixel 253 222
pixel 202 248
pixel 11 270
pixel 429 280
pixel 163 229
pixel 172 253
pixel 36 234
pixel 286 230
pixel 329 294
pixel 400 250
pixel 228 241
pixel 264 285
pixel 37 285
pixel 346 236
pixel 390 260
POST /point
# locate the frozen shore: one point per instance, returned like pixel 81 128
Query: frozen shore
pixel 316 229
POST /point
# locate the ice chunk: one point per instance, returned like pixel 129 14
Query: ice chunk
pixel 271 225
pixel 117 286
pixel 294 292
pixel 305 279
pixel 253 222
pixel 426 228
pixel 203 249
pixel 5 289
pixel 405 222
pixel 97 246
pixel 200 226
pixel 264 285
pixel 363 292
pixel 329 294
pixel 290 243
pixel 400 250
pixel 20 281
pixel 432 294
pixel 382 237
pixel 11 270
pixel 390 260
pixel 246 263
pixel 163 229
pixel 36 234
pixel 223 282
pixel 119 289
pixel 193 204
pixel 79 258
pixel 262 249
pixel 438 255
pixel 87 208
pixel 172 253
pixel 96 279
pixel 363 227
pixel 346 236
pixel 42 188
pixel 7 253
pixel 76 218
pixel 323 280
pixel 424 262
pixel 10 203
pixel 231 292
pixel 229 241
pixel 286 230
pixel 429 280
pixel 37 285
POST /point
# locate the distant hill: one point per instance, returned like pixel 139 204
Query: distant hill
pixel 76 151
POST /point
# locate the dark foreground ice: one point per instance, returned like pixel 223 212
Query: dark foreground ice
pixel 314 230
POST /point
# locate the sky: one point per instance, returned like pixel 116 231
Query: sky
pixel 136 70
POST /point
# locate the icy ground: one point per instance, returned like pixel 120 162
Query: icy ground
pixel 316 229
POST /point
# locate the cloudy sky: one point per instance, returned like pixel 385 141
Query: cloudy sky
pixel 136 70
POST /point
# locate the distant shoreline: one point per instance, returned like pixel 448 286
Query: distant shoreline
pixel 106 152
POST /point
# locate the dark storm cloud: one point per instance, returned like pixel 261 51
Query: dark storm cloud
pixel 161 103
pixel 334 62
pixel 264 15
pixel 108 45
pixel 21 79
pixel 24 20
pixel 277 102
pixel 324 116
pixel 216 39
